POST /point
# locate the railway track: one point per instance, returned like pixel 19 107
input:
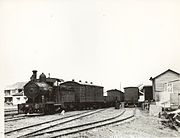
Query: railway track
pixel 124 115
pixel 10 115
pixel 74 129
pixel 32 129
pixel 15 118
pixel 10 112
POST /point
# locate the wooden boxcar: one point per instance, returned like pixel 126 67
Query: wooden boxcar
pixel 80 96
pixel 148 93
pixel 131 95
pixel 114 96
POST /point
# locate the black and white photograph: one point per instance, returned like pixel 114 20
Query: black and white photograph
pixel 90 68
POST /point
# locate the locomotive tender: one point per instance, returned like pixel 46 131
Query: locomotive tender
pixel 48 95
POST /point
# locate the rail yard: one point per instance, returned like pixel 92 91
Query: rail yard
pixel 108 122
pixel 83 120
pixel 75 109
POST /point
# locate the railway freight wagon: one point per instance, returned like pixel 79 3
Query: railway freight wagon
pixel 75 96
pixel 131 95
pixel 114 96
pixel 148 93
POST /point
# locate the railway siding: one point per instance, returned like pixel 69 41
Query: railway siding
pixel 29 121
pixel 8 113
pixel 38 130
pixel 142 126
pixel 42 126
pixel 122 116
pixel 81 124
pixel 15 118
pixel 105 118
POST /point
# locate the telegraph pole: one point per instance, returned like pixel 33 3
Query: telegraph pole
pixel 178 99
pixel 120 86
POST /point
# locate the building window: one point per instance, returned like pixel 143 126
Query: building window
pixel 7 92
pixel 165 87
pixel 18 98
pixel 168 87
pixel 19 90
pixel 13 91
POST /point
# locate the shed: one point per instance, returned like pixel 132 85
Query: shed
pixel 164 85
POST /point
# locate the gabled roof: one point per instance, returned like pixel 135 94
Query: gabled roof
pixel 169 70
pixel 17 85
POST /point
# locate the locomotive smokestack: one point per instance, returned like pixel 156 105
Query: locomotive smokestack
pixel 34 74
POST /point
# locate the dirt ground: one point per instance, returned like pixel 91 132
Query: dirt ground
pixel 142 126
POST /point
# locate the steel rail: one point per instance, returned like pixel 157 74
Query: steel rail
pixel 11 114
pixel 92 127
pixel 42 123
pixel 73 127
pixel 29 134
pixel 19 115
pixel 15 119
pixel 10 110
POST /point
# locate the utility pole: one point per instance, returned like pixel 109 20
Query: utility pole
pixel 120 86
pixel 178 99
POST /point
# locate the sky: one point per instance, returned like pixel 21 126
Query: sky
pixel 112 43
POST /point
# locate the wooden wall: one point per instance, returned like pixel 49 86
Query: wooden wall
pixel 160 84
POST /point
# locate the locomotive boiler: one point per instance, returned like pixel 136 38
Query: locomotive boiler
pixel 41 95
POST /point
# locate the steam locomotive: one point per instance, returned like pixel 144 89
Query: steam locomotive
pixel 49 95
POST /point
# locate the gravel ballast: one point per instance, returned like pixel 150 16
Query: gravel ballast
pixel 141 126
